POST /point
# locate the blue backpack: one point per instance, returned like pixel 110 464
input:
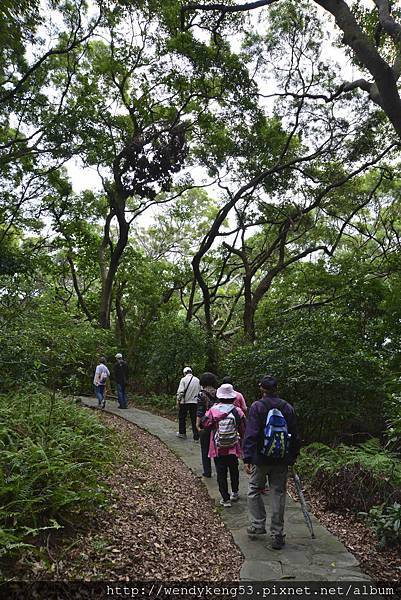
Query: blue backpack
pixel 276 439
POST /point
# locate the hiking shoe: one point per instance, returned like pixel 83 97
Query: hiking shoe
pixel 182 436
pixel 225 503
pixel 278 542
pixel 252 530
pixel 103 406
pixel 234 497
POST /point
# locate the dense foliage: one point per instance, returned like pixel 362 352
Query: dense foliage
pixel 53 455
pixel 353 477
pixel 187 197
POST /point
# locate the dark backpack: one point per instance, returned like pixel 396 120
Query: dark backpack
pixel 276 439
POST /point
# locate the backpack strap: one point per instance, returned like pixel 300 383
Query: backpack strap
pixel 236 415
pixel 186 389
pixel 208 397
pixel 225 415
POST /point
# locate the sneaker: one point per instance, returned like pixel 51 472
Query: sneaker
pixel 278 542
pixel 234 497
pixel 225 503
pixel 103 406
pixel 182 436
pixel 252 530
pixel 208 475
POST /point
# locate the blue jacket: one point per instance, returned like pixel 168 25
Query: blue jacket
pixel 253 440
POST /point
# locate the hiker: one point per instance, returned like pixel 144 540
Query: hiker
pixel 121 378
pixel 99 381
pixel 271 444
pixel 187 394
pixel 227 423
pixel 240 400
pixel 206 399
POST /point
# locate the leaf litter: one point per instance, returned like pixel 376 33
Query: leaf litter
pixel 159 523
pixel 382 564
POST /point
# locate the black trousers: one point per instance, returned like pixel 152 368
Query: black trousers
pixel 204 437
pixel 223 465
pixel 183 410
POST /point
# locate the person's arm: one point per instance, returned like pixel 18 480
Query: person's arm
pixel 200 410
pixel 243 405
pixel 180 391
pixel 181 386
pixel 295 445
pixel 201 406
pixel 207 420
pixel 97 376
pixel 252 434
pixel 242 426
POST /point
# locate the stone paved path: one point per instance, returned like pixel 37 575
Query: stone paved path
pixel 303 559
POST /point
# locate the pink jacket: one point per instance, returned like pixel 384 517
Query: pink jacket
pixel 240 402
pixel 212 417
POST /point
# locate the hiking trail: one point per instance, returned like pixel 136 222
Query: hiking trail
pixel 324 558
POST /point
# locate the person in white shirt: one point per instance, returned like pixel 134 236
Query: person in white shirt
pixel 99 381
pixel 187 400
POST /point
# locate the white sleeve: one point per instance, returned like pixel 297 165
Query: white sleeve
pixel 181 387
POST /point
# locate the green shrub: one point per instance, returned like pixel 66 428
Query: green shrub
pixel 52 456
pixel 162 403
pixel 336 389
pixel 357 478
pixel 50 347
pixel 172 344
pixel 386 521
pixel 393 422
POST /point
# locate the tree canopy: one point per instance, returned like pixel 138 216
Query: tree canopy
pixel 196 183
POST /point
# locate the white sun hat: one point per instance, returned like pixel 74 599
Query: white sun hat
pixel 226 392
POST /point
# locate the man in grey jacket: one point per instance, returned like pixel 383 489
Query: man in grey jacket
pixel 187 398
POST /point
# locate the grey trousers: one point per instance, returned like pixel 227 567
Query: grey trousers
pixel 278 487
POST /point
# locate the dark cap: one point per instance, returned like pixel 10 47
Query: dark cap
pixel 268 382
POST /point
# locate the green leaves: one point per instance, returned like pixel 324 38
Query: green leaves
pixel 354 477
pixel 386 521
pixel 51 467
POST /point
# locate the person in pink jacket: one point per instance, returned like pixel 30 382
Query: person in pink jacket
pixel 227 424
pixel 240 400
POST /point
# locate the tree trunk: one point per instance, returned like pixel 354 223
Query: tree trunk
pixel 117 208
pixel 121 317
pixel 249 311
pixel 107 287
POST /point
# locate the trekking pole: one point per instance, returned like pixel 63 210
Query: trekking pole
pixel 301 497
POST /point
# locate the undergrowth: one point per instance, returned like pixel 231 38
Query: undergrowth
pixel 353 477
pixel 163 404
pixel 52 457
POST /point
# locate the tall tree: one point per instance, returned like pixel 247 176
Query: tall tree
pixel 372 35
